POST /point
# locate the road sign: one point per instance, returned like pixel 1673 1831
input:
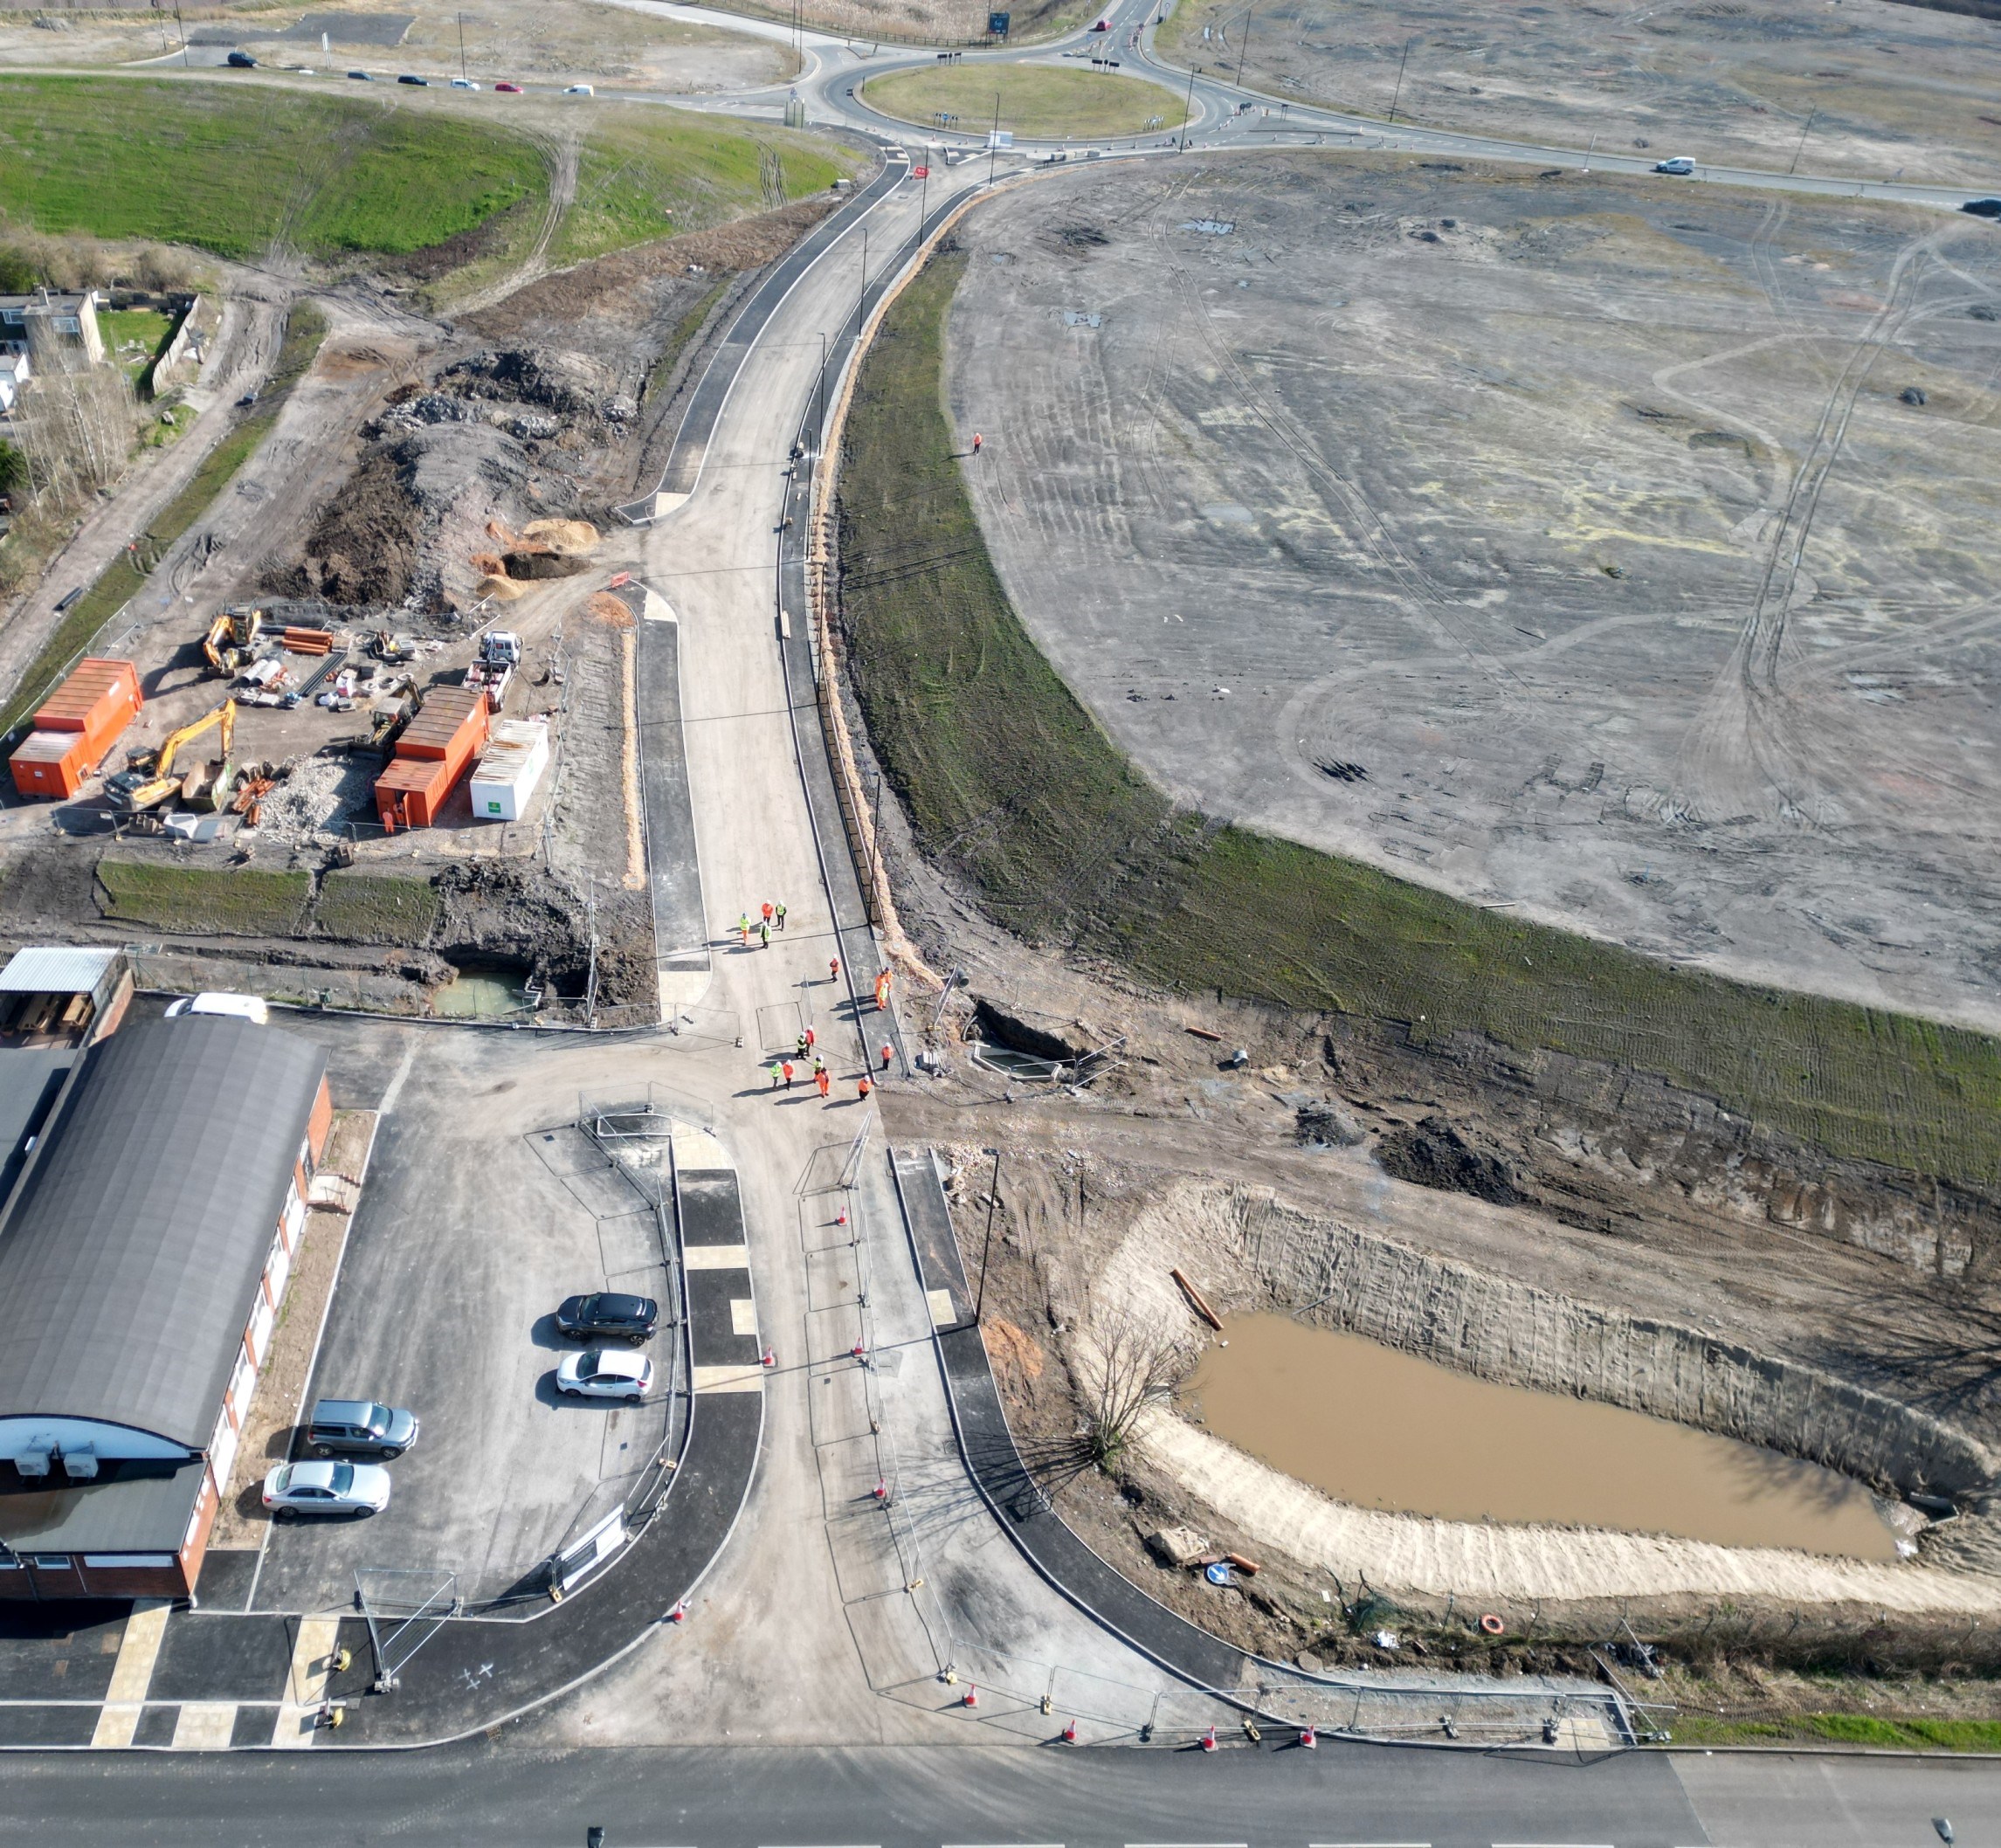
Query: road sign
pixel 920 173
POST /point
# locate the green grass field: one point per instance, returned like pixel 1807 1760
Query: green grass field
pixel 305 327
pixel 647 173
pixel 366 907
pixel 203 901
pixel 1011 783
pixel 238 167
pixel 1040 102
pixel 1916 1734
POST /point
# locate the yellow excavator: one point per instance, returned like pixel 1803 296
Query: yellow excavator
pixel 227 647
pixel 144 785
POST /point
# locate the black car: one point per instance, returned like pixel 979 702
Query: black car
pixel 1983 208
pixel 362 77
pixel 605 1314
pixel 422 83
pixel 241 61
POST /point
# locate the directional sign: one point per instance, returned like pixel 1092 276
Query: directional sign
pixel 920 173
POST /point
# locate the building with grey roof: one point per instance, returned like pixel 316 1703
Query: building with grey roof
pixel 144 1254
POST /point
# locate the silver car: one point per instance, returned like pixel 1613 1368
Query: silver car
pixel 597 1375
pixel 326 1488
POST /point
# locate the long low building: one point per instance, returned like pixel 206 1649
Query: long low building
pixel 145 1247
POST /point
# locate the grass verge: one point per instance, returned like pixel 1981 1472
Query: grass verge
pixel 1042 102
pixel 1011 783
pixel 1916 1734
pixel 366 907
pixel 201 901
pixel 305 327
pixel 648 173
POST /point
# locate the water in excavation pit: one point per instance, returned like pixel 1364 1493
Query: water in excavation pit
pixel 471 996
pixel 1380 1429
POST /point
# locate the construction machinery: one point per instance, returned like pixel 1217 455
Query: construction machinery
pixel 499 654
pixel 146 784
pixel 230 645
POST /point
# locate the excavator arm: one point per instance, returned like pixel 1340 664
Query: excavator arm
pixel 134 791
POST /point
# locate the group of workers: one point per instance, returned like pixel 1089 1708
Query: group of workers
pixel 784 1071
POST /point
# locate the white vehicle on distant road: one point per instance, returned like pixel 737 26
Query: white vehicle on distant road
pixel 580 90
pixel 238 1007
pixel 326 1488
pixel 596 1374
pixel 1676 164
pixel 465 83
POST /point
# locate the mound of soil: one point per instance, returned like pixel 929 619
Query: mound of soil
pixel 364 547
pixel 1434 1153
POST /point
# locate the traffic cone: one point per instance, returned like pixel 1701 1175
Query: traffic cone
pixel 840 1218
pixel 859 1352
pixel 971 1697
pixel 1209 1739
pixel 680 1613
pixel 769 1359
pixel 1070 1732
pixel 881 1489
pixel 1308 1738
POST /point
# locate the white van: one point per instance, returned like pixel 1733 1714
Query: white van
pixel 239 1007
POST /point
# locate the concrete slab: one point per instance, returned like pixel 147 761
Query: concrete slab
pixel 204 1725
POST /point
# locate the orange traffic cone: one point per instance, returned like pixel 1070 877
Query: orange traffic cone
pixel 771 1358
pixel 1308 1738
pixel 971 1697
pixel 680 1613
pixel 1209 1739
pixel 1070 1732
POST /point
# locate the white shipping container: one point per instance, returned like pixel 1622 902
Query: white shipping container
pixel 509 770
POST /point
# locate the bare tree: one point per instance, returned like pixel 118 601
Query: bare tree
pixel 1129 1363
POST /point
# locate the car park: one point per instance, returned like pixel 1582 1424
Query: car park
pixel 597 1374
pixel 241 61
pixel 608 1313
pixel 506 89
pixel 361 1427
pixel 236 1007
pixel 465 83
pixel 422 83
pixel 1983 208
pixel 1679 164
pixel 326 1488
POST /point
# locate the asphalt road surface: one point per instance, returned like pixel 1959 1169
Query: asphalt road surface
pixel 918 1797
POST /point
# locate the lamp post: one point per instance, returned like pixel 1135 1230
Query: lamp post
pixel 1397 94
pixel 986 1243
pixel 1188 109
pixel 1804 132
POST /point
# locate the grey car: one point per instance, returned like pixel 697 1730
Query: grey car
pixel 359 1427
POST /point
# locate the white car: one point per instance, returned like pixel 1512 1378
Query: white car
pixel 239 1007
pixel 580 90
pixel 1680 164
pixel 464 83
pixel 597 1374
pixel 326 1488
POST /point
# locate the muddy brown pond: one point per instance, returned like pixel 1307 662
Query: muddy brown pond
pixel 1381 1428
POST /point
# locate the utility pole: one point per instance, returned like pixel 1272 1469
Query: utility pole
pixel 1188 107
pixel 993 141
pixel 986 1243
pixel 1804 132
pixel 461 45
pixel 182 30
pixel 861 301
pixel 1243 49
pixel 590 980
pixel 1589 152
pixel 1397 95
pixel 820 396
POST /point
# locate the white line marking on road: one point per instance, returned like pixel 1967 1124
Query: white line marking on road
pixel 394 1090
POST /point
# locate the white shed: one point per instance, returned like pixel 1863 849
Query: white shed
pixel 509 769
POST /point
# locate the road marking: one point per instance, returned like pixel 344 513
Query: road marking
pixel 742 1316
pixel 204 1725
pixel 137 1652
pixel 393 1090
pixel 944 1315
pixel 716 1257
pixel 728 1379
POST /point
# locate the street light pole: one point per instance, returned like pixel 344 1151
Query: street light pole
pixel 1243 49
pixel 1804 132
pixel 986 1243
pixel 993 141
pixel 1397 94
pixel 861 301
pixel 1188 107
pixel 820 397
pixel 461 45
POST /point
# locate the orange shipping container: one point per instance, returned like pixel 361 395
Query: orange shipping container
pixel 411 792
pixel 451 726
pixel 54 764
pixel 100 699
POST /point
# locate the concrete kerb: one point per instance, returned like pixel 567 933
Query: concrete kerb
pixel 1253 1703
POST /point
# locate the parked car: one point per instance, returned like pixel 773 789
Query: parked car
pixel 362 77
pixel 1677 163
pixel 506 89
pixel 326 1488
pixel 422 83
pixel 238 1007
pixel 1983 208
pixel 596 1374
pixel 360 1426
pixel 580 90
pixel 607 1314
pixel 465 83
pixel 241 61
